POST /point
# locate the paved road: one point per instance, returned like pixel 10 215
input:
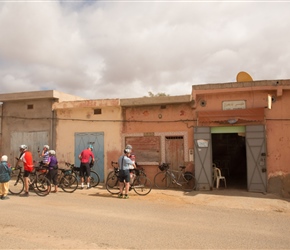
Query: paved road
pixel 94 219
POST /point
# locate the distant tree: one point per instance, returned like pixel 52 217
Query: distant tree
pixel 150 94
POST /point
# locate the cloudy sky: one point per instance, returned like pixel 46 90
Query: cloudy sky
pixel 125 49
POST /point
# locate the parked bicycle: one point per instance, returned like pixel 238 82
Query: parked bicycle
pixel 95 178
pixel 38 183
pixel 164 179
pixel 66 180
pixel 140 184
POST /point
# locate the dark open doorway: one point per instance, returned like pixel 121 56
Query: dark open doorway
pixel 229 154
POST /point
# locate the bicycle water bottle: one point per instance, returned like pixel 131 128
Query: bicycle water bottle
pixel 172 176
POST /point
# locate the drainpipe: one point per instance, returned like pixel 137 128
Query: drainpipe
pixel 53 139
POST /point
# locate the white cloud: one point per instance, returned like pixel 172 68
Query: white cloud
pixel 126 49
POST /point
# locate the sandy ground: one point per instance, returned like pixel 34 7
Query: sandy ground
pixel 230 198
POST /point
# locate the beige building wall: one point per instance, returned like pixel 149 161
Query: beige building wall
pixel 78 117
pixel 27 118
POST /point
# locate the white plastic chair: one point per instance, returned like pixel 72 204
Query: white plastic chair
pixel 218 177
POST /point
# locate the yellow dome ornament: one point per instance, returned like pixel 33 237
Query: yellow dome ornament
pixel 244 77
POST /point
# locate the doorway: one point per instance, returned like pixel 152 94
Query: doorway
pixel 240 152
pixel 229 154
pixel 174 151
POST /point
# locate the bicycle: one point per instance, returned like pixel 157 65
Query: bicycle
pixel 114 164
pixel 166 177
pixel 65 179
pixel 39 184
pixel 140 184
pixel 94 176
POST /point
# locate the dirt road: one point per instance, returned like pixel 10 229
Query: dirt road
pixel 164 219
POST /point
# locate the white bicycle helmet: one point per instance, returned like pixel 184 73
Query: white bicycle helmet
pixel 127 150
pixel 46 146
pixel 52 152
pixel 128 146
pixel 23 146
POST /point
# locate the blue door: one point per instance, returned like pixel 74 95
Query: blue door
pixel 82 141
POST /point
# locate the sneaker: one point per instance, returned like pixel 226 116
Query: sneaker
pixel 120 195
pixel 24 195
pixel 5 198
pixel 126 196
pixel 88 187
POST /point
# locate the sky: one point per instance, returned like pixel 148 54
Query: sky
pixel 126 49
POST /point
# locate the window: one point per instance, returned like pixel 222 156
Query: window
pixel 147 148
pixel 30 106
pixel 97 111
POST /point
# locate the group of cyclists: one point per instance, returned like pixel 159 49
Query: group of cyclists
pixel 126 162
pixel 48 159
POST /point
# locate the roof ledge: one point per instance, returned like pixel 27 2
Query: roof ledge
pixel 156 100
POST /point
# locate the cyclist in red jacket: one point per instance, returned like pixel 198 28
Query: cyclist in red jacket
pixel 86 156
pixel 26 158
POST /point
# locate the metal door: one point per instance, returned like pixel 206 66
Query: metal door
pixel 174 151
pixel 203 157
pixel 256 158
pixel 34 141
pixel 82 141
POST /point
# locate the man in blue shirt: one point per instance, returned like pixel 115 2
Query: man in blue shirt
pixel 124 163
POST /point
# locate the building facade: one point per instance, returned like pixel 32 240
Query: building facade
pixel 241 127
pixel 28 118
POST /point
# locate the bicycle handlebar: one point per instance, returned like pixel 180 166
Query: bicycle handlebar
pixel 69 164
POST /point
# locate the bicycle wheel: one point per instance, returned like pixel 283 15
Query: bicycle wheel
pixel 112 185
pixel 110 174
pixel 142 185
pixel 188 182
pixel 68 183
pixel 162 180
pixel 16 184
pixel 42 186
pixel 94 179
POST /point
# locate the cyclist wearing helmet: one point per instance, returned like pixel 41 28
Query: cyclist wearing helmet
pixel 86 156
pixel 26 158
pixel 44 154
pixel 52 169
pixel 133 158
pixel 124 163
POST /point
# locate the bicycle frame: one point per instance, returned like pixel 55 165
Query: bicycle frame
pixel 176 176
pixel 41 186
pixel 184 180
pixel 141 184
pixel 94 177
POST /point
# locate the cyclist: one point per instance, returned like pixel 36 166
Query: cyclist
pixel 44 154
pixel 124 163
pixel 26 158
pixel 132 157
pixel 85 156
pixel 52 169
